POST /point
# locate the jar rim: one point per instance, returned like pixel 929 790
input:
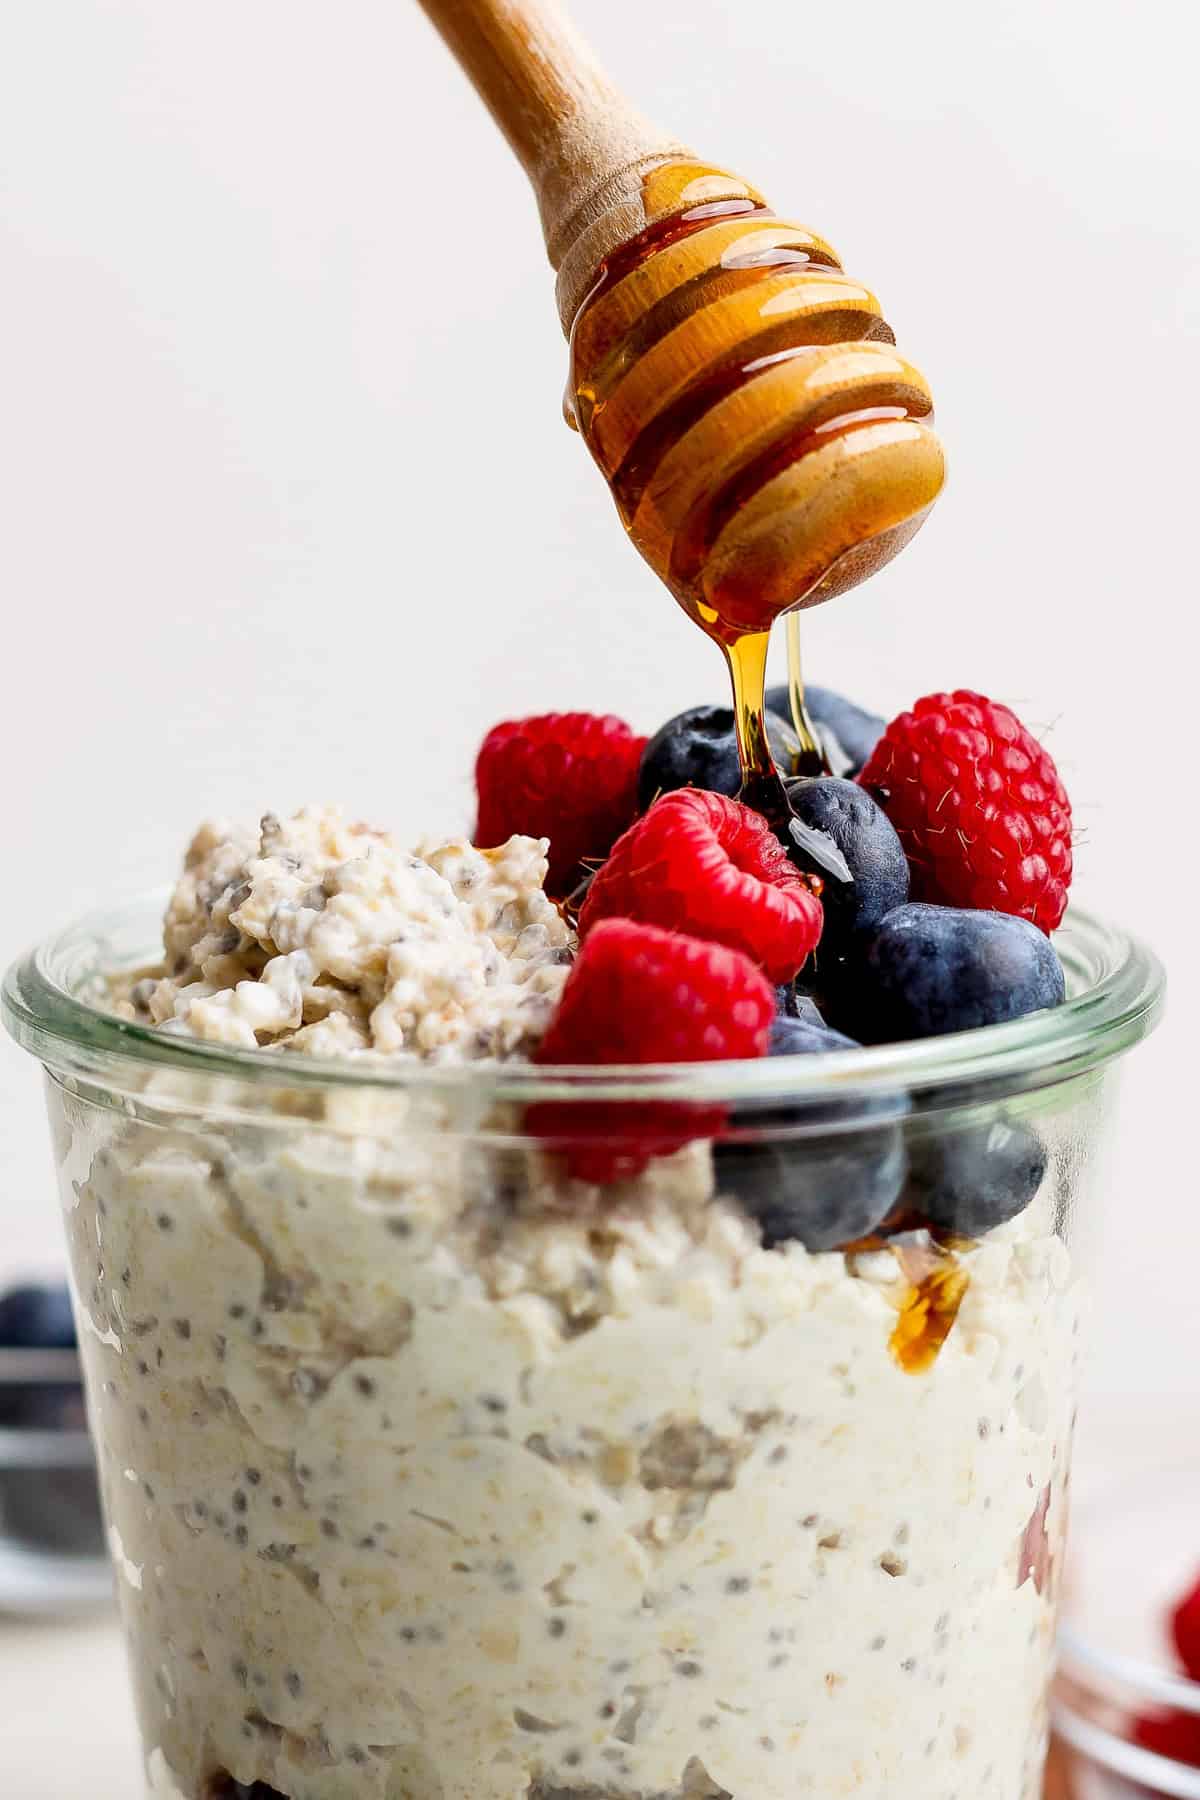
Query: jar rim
pixel 1115 994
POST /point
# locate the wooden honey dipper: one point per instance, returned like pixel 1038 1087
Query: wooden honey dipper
pixel 766 444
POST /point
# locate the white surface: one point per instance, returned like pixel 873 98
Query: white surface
pixel 289 510
pixel 67 1730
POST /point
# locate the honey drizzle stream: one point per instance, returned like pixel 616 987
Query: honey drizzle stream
pixel 747 661
pixel 812 756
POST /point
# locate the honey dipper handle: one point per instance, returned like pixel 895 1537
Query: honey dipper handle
pixel 579 141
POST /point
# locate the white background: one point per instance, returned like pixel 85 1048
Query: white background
pixel 289 510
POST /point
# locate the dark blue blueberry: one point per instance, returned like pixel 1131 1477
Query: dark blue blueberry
pixel 698 748
pixel 829 1188
pixel 36 1318
pixel 873 854
pixel 854 731
pixel 799 1035
pixel 823 1174
pixel 968 1181
pixel 932 969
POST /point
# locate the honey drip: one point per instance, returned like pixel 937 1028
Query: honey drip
pixel 766 444
pixel 937 1283
pixel 811 760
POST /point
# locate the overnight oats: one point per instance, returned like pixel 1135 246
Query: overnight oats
pixel 594 1317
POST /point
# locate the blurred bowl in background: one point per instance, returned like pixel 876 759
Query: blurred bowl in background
pixel 52 1542
pixel 1123 1707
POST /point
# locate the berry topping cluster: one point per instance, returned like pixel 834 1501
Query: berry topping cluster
pixel 910 893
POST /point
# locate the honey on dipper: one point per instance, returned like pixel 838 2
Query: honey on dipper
pixel 766 445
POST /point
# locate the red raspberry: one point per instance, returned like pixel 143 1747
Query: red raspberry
pixel 981 812
pixel 1175 1735
pixel 571 777
pixel 640 995
pixel 707 865
pixel 1185 1632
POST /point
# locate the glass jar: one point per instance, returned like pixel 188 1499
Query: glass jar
pixel 432 1471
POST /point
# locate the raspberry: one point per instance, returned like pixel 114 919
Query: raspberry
pixel 1185 1632
pixel 981 812
pixel 707 865
pixel 570 777
pixel 641 995
pixel 1175 1735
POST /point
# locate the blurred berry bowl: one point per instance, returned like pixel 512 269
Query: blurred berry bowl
pixel 1124 1705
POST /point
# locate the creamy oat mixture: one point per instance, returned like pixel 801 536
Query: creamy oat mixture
pixel 317 935
pixel 431 1476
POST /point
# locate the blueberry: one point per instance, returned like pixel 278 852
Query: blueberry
pixel 971 1180
pixel 823 1175
pixel 932 969
pixel 698 748
pixel 873 853
pixel 854 732
pixel 827 1189
pixel 802 1035
pixel 36 1318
